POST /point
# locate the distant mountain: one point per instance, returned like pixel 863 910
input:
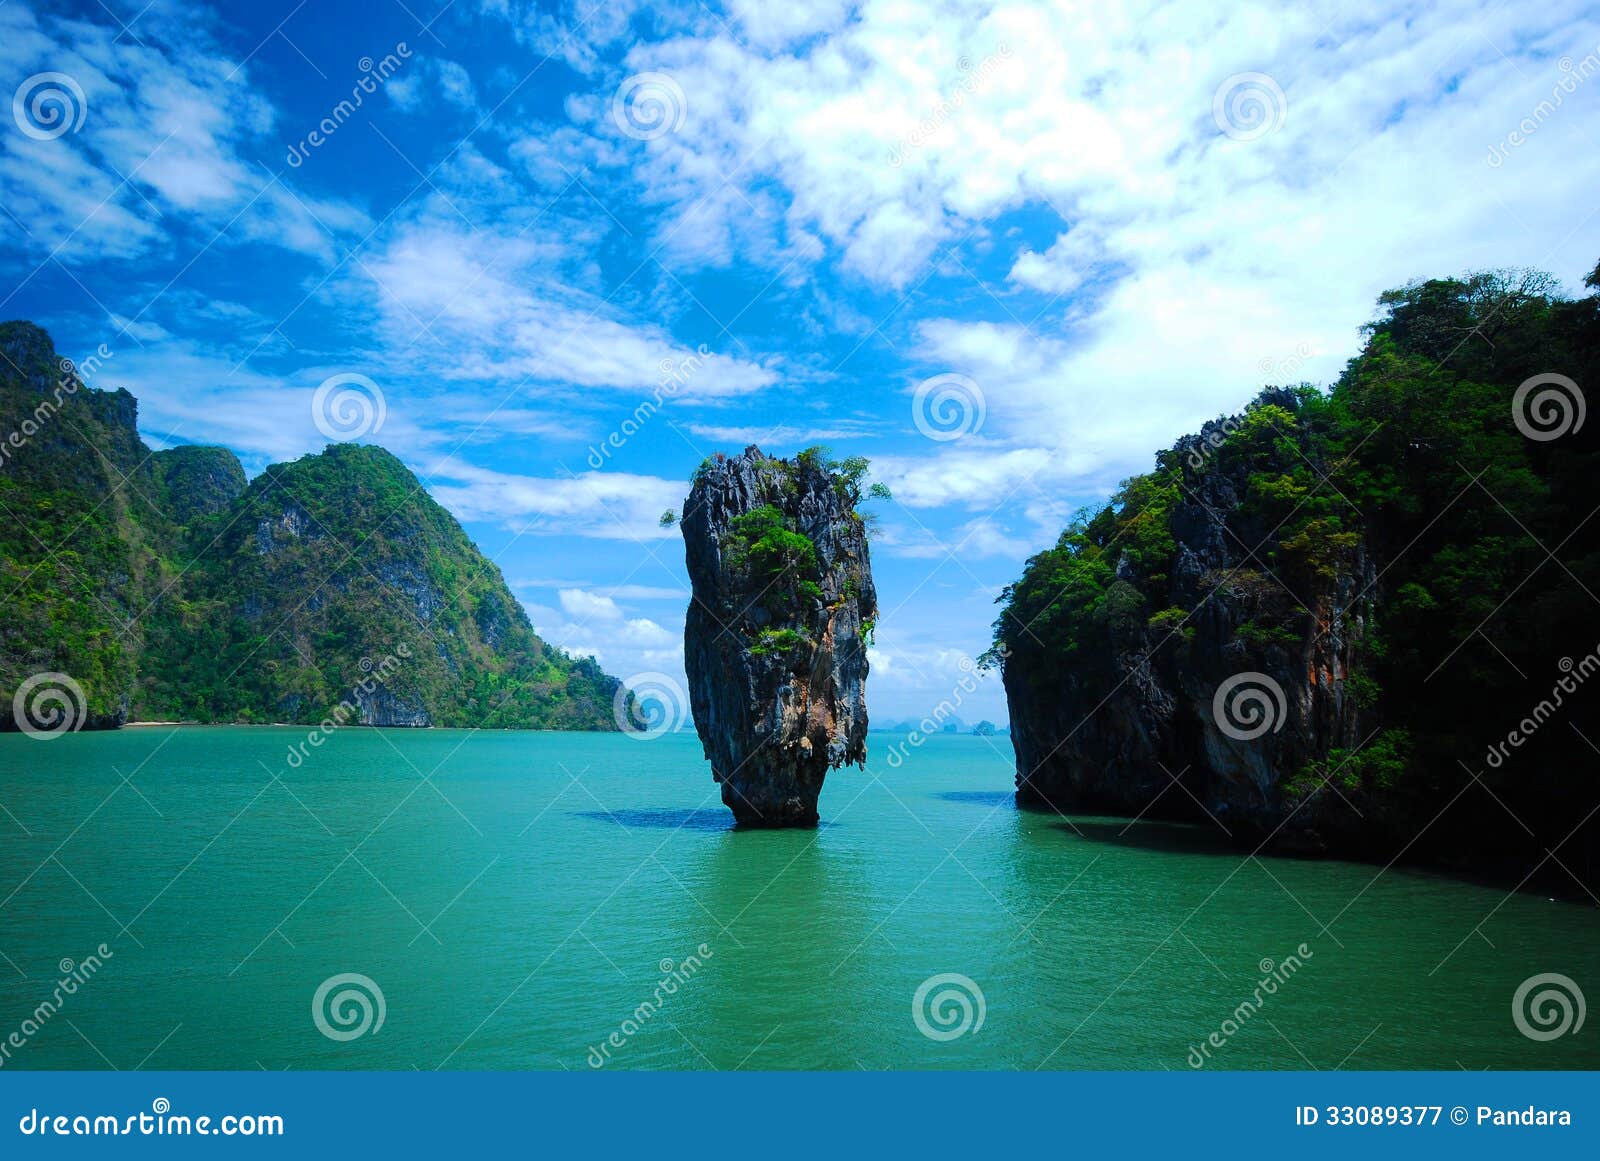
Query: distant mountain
pixel 165 587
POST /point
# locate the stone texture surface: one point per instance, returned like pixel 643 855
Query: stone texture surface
pixel 1136 726
pixel 774 718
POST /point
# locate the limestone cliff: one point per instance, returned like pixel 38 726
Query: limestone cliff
pixel 1356 620
pixel 1213 702
pixel 162 585
pixel 778 627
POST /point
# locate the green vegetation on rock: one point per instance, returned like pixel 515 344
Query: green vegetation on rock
pixel 1453 542
pixel 167 588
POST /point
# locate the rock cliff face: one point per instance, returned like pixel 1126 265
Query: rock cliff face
pixel 164 586
pixel 777 630
pixel 1335 620
pixel 201 481
pixel 1216 703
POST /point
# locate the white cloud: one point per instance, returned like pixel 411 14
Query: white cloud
pixel 474 302
pixel 602 505
pixel 581 604
pixel 779 435
pixel 410 91
pixel 456 85
pixel 168 129
pixel 983 537
pixel 1194 258
pixel 587 624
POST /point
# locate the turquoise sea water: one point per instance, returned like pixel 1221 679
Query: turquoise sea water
pixel 519 898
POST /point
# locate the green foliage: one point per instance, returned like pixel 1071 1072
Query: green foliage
pixel 1379 766
pixel 667 519
pixel 1169 621
pixel 1262 636
pixel 775 642
pixel 764 541
pixel 1409 468
pixel 172 590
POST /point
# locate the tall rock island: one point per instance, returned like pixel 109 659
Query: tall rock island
pixel 778 627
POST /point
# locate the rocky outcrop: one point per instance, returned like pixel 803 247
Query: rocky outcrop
pixel 164 586
pixel 777 631
pixel 382 707
pixel 1211 675
pixel 201 481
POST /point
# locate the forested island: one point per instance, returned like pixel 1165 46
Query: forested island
pixel 1362 620
pixel 168 588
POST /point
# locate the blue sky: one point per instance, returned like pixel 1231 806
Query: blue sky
pixel 1005 250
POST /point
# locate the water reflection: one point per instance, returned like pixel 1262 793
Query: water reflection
pixel 662 818
pixel 989 798
pixel 789 984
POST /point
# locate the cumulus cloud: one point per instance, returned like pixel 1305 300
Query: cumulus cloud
pixel 170 127
pixel 472 302
pixel 599 505
pixel 1191 261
